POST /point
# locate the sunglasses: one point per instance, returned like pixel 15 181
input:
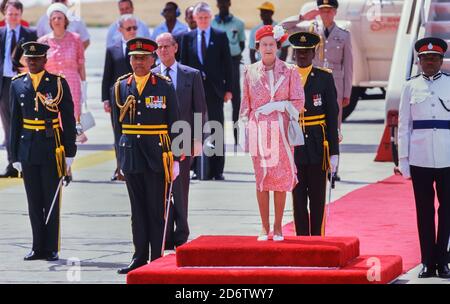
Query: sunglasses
pixel 130 28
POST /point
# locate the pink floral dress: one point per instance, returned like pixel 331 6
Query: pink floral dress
pixel 65 57
pixel 273 157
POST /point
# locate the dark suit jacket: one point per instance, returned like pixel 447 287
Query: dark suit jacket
pixel 217 66
pixel 116 65
pixel 34 147
pixel 25 35
pixel 190 93
pixel 319 86
pixel 139 153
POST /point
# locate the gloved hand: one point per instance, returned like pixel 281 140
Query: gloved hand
pixel 83 92
pixel 404 167
pixel 17 166
pixel 69 161
pixel 175 170
pixel 334 161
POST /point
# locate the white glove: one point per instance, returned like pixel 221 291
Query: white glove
pixel 83 92
pixel 69 161
pixel 175 170
pixel 334 161
pixel 404 167
pixel 17 166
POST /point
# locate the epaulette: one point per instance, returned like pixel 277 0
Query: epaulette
pixel 19 75
pixel 162 77
pixel 124 77
pixel 412 77
pixel 325 70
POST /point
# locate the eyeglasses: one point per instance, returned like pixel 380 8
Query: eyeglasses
pixel 131 28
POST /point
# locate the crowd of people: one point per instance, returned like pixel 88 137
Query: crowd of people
pixel 289 115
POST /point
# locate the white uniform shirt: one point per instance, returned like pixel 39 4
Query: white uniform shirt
pixel 424 99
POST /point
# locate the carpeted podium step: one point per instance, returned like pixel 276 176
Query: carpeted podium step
pixel 232 251
pixel 244 260
pixel 362 270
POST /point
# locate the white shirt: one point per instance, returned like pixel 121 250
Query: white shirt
pixel 173 72
pixel 199 41
pixel 76 25
pixel 7 64
pixel 424 100
pixel 162 28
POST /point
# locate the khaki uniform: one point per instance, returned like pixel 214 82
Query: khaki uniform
pixel 335 53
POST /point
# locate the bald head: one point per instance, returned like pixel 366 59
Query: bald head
pixel 167 48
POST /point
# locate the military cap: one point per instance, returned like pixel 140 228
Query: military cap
pixel 141 46
pixel 34 49
pixel 431 45
pixel 327 3
pixel 304 40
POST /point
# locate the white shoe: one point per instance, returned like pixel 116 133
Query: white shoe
pixel 278 238
pixel 263 237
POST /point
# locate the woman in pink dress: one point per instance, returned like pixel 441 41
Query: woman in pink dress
pixel 272 97
pixel 66 57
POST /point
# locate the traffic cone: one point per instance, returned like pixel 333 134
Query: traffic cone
pixel 384 153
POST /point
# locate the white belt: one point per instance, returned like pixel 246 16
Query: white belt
pixel 276 106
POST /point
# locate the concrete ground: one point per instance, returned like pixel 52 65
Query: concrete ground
pixel 96 231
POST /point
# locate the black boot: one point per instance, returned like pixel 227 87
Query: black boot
pixel 132 266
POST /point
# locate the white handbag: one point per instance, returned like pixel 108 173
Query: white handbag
pixel 295 133
pixel 87 120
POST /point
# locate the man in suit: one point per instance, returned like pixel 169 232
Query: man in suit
pixel 207 50
pixel 42 145
pixel 145 109
pixel 191 101
pixel 320 125
pixel 11 37
pixel 117 63
pixel 235 29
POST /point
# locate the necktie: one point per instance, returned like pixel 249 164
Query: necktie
pixel 168 73
pixel 327 32
pixel 13 40
pixel 203 46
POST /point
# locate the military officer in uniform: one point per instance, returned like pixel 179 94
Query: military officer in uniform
pixel 42 145
pixel 145 106
pixel 320 153
pixel 334 52
pixel 424 141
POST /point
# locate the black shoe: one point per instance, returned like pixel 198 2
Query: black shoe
pixel 443 271
pixel 427 272
pixel 336 177
pixel 52 256
pixel 133 265
pixel 219 177
pixel 35 255
pixel 10 172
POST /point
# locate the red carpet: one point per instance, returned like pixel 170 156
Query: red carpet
pixel 247 251
pixel 165 271
pixel 382 216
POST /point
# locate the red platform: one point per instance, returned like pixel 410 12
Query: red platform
pixel 165 271
pixel 247 251
pixel 235 260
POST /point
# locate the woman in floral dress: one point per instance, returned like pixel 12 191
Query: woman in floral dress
pixel 272 97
